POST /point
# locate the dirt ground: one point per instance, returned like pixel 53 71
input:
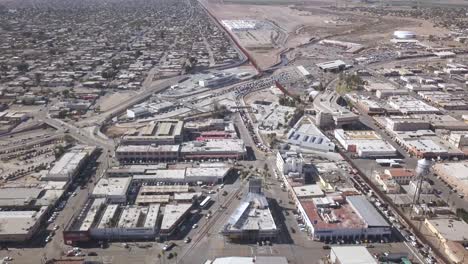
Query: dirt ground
pixel 313 19
pixel 111 100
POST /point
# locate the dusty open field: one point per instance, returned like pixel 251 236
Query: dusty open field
pixel 315 19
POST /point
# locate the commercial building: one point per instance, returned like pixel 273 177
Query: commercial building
pixel 402 176
pixel 388 184
pixel 98 221
pixel 332 66
pixel 404 123
pixel 252 220
pixel 308 191
pixel 459 139
pixel 249 260
pixel 351 255
pixel 421 122
pixel 20 226
pixel 452 234
pixel 127 222
pixel 146 154
pixel 137 111
pixel 205 173
pixel 240 25
pixel 163 189
pixel 68 166
pixel 213 149
pixel 206 125
pixel 217 79
pixel 174 216
pixel 162 132
pixel 445 100
pixel 365 143
pixel 425 144
pixel 409 105
pixel 290 164
pixel 146 109
pixel 308 136
pixel 352 219
pixel 114 189
pixel 455 174
pixel 132 170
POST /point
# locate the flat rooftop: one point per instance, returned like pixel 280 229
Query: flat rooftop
pixel 343 217
pixel 353 255
pixel 252 214
pixel 130 216
pixel 112 186
pixel 367 211
pixel 18 196
pixel 172 214
pixel 152 216
pixel 308 191
pixel 151 199
pixel 19 222
pixel 163 189
pixel 222 146
pixel 250 260
pixel 147 148
pixel 450 229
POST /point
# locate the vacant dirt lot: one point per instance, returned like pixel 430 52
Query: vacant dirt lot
pixel 315 19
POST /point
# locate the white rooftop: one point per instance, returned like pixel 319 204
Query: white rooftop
pixel 172 214
pixel 310 190
pixel 112 187
pixel 353 255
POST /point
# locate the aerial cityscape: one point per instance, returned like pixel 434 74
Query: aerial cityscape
pixel 234 132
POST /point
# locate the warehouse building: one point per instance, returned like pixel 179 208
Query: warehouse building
pixel 365 143
pixel 161 132
pixel 114 189
pixel 352 219
pixel 332 66
pixel 455 174
pixel 174 216
pixel 109 222
pixel 213 149
pixel 146 154
pixel 308 136
pixel 351 255
pixel 20 226
pixel 452 234
pixel 217 79
pixel 248 260
pixel 409 105
pixel 68 166
pixel 126 222
pixel 252 220
pixel 202 174
pixel 426 144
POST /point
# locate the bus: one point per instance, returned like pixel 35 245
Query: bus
pixel 205 202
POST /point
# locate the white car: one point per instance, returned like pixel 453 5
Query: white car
pixel 56 227
pixel 195 226
pixel 7 258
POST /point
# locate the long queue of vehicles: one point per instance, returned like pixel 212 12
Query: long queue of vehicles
pixel 393 218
